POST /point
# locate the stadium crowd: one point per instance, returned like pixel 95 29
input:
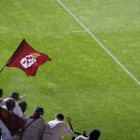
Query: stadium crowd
pixel 16 125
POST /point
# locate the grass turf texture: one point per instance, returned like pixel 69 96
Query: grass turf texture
pixel 82 80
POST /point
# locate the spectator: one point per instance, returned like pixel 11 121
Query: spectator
pixel 1 95
pixel 94 135
pixel 23 106
pixel 14 95
pixel 55 128
pixel 10 123
pixel 35 125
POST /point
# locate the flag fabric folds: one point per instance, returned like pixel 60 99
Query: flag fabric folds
pixel 27 59
pixel 11 121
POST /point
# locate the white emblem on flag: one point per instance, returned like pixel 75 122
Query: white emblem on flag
pixel 28 61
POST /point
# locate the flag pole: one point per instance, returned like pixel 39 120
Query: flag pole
pixel 2 69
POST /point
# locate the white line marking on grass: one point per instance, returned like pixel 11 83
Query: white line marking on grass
pixel 79 31
pixel 117 61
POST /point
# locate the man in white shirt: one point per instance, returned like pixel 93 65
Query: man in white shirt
pixel 14 95
pixel 55 128
pixel 94 135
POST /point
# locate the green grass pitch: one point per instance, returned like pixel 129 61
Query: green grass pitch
pixel 82 81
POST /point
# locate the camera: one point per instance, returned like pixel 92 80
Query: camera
pixel 77 133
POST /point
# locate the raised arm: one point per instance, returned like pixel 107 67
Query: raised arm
pixel 22 97
pixel 69 122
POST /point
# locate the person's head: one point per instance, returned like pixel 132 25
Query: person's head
pixel 15 95
pixel 39 110
pixel 1 93
pixel 94 134
pixel 23 106
pixel 59 116
pixel 10 104
pixel 38 113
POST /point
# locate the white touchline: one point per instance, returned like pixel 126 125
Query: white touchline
pixel 117 61
pixel 79 31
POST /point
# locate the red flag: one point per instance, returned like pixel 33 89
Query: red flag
pixel 27 59
pixel 11 121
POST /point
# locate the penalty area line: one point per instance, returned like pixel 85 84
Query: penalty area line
pixel 107 51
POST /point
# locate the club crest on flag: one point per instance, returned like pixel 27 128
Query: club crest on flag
pixel 29 60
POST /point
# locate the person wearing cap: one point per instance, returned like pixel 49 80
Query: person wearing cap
pixel 35 125
pixel 55 128
pixel 94 135
pixel 14 95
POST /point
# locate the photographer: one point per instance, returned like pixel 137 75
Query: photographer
pixel 94 135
